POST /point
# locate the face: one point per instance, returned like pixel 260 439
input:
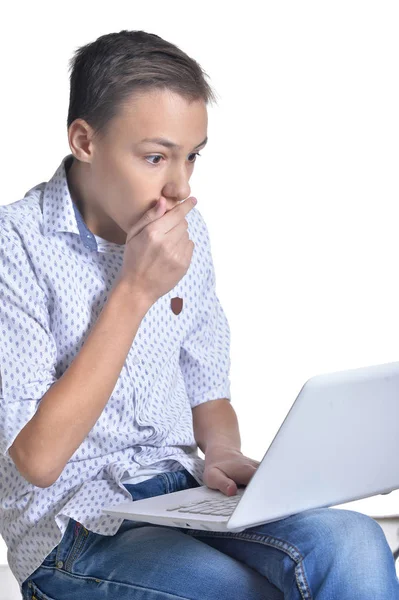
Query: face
pixel 118 178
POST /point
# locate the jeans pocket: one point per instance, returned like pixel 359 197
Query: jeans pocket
pixel 81 535
pixel 50 559
pixel 34 593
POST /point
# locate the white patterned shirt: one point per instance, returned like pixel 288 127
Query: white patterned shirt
pixel 55 277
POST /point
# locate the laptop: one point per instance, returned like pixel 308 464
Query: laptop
pixel 338 443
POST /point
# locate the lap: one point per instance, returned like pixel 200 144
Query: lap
pixel 296 553
pixel 147 562
pixel 300 534
pixel 144 562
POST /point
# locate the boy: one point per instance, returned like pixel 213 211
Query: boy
pixel 115 363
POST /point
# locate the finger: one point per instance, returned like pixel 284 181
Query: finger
pixel 253 463
pixel 157 211
pixel 218 480
pixel 152 214
pixel 175 215
pixel 240 472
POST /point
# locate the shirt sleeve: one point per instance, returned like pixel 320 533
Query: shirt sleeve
pixel 28 350
pixel 205 351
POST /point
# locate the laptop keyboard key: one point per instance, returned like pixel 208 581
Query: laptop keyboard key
pixel 223 507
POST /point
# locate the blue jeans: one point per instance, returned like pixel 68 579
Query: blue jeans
pixel 319 554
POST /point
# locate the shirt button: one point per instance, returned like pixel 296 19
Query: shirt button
pixel 136 360
pixel 60 564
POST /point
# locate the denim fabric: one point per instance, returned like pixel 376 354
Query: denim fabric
pixel 319 554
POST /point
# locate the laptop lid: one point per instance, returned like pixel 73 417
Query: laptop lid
pixel 338 443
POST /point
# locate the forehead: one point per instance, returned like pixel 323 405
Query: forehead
pixel 163 114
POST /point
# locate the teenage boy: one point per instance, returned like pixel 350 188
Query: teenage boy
pixel 114 358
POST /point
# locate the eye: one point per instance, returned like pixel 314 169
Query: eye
pixel 159 156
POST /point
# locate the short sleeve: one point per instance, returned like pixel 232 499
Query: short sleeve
pixel 28 350
pixel 205 351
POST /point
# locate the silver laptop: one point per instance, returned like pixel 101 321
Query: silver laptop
pixel 339 442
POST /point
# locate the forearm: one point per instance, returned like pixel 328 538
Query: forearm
pixel 215 423
pixel 72 406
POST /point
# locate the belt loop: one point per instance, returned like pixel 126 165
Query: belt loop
pixel 77 527
pixel 166 480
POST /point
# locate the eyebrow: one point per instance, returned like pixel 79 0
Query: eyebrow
pixel 168 143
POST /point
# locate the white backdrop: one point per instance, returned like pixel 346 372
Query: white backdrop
pixel 298 183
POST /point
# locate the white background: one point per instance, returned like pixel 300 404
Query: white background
pixel 298 183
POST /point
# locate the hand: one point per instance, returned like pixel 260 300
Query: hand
pixel 226 467
pixel 158 250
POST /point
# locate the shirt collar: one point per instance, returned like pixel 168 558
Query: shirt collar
pixel 60 213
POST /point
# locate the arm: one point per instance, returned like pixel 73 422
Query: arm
pixel 217 434
pixel 74 403
pixel 44 417
pixel 205 364
pixel 215 424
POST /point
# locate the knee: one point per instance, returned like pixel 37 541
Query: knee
pixel 345 533
pixel 354 533
pixel 355 547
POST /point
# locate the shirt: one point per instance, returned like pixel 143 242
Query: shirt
pixel 55 277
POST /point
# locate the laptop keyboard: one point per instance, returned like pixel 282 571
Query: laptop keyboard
pixel 223 507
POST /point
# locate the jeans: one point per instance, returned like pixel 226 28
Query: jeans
pixel 319 554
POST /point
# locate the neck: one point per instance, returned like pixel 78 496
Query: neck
pixel 95 219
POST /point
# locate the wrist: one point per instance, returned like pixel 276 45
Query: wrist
pixel 132 295
pixel 221 447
